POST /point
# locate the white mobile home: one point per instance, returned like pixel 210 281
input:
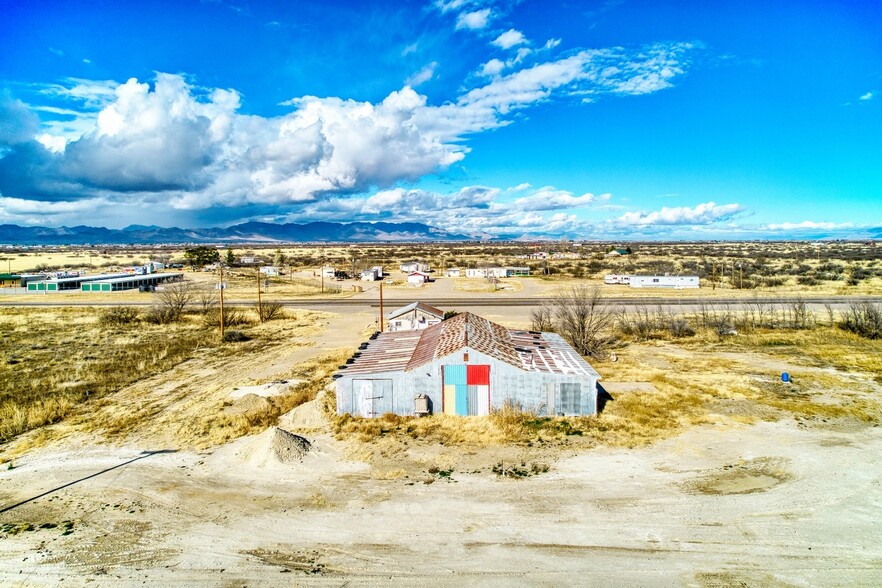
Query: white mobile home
pixel 414 266
pixel 676 282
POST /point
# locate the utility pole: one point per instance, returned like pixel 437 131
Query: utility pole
pixel 741 276
pixel 259 306
pixel 221 268
pixel 713 274
pixel 382 321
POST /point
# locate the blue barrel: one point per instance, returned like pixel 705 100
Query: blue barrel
pixel 785 377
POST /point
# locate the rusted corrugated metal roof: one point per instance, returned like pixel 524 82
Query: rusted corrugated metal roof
pixel 526 350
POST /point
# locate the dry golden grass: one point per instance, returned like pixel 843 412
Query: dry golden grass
pixel 123 381
pixel 57 359
pixel 213 426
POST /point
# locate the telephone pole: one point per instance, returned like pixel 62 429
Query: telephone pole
pixel 382 321
pixel 221 268
pixel 259 306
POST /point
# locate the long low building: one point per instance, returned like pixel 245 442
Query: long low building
pixel 466 365
pixel 131 282
pixel 71 283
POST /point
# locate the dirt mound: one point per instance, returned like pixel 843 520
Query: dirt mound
pixel 248 403
pixel 289 447
pixel 308 416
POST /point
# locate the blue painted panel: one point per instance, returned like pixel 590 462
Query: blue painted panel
pixel 455 374
pixel 462 399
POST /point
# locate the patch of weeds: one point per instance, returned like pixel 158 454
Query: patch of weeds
pixel 235 337
pixel 442 474
pixel 519 471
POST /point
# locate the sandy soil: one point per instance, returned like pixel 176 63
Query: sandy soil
pixel 766 504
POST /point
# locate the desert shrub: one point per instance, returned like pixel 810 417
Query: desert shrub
pixel 162 315
pixel 807 281
pixel 233 317
pixel 679 327
pixel 267 311
pixel 864 319
pixel 119 316
pixel 235 337
pixel 773 282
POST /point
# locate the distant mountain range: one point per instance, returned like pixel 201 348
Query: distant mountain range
pixel 317 232
pixel 250 232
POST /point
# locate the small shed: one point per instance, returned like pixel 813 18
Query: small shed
pixel 417 278
pixel 414 317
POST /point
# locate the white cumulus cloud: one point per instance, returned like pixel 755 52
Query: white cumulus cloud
pixel 510 38
pixel 475 20
pixel 807 225
pixel 702 214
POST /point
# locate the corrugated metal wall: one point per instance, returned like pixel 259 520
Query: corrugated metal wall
pixel 533 390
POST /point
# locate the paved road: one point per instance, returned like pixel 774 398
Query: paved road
pixel 487 301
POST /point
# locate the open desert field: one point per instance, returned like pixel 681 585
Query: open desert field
pixel 140 461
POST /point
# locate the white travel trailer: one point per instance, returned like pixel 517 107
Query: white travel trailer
pixel 616 279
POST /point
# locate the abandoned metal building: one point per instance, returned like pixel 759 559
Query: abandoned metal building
pixel 466 365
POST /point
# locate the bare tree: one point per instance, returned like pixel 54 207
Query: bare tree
pixel 583 319
pixel 542 318
pixel 207 298
pixel 172 300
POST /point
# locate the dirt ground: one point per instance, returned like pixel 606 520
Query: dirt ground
pixel 772 504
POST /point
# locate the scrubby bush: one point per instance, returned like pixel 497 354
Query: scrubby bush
pixel 233 317
pixel 863 318
pixel 119 316
pixel 235 337
pixel 268 311
pixel 161 315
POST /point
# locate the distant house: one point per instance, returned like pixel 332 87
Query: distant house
pixel 618 252
pixel 453 272
pixel 675 282
pixel 417 278
pixel 414 266
pixel 466 365
pixel 414 317
pixel 269 270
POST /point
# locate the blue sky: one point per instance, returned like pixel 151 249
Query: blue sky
pixel 610 119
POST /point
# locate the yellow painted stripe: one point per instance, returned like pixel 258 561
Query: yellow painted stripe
pixel 449 399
